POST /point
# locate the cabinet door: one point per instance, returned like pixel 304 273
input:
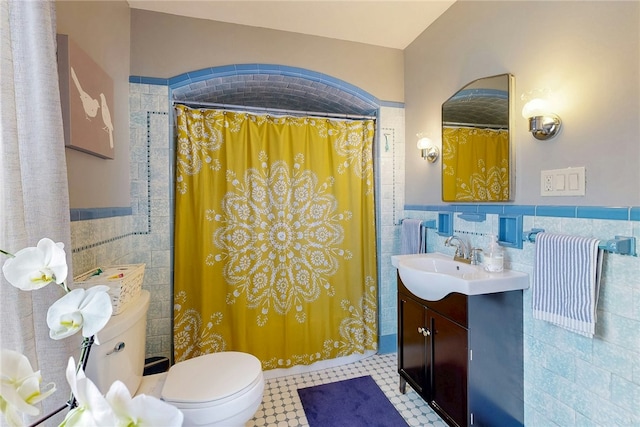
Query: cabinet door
pixel 412 349
pixel 449 367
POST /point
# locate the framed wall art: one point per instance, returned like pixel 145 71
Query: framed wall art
pixel 86 94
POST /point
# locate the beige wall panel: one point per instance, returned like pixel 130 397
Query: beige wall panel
pixel 101 30
pixel 587 53
pixel 164 46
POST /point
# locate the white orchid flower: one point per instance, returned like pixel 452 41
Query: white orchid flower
pixel 142 410
pixel 92 408
pixel 89 310
pixel 35 267
pixel 20 387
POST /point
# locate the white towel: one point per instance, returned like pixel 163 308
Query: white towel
pixel 566 281
pixel 411 236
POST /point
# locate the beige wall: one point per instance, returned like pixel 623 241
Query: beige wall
pixel 101 29
pixel 164 46
pixel 128 42
pixel 587 53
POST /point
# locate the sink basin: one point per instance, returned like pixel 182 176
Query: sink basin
pixel 433 276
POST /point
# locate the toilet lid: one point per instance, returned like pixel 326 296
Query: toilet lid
pixel 210 377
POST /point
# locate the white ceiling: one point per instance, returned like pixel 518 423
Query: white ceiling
pixel 390 23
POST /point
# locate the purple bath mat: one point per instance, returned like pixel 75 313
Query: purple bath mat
pixel 357 402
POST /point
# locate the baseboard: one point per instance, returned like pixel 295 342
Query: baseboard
pixel 387 343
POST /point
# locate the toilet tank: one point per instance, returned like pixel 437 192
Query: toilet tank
pixel 119 350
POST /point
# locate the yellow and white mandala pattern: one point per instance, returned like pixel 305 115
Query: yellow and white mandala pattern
pixel 279 238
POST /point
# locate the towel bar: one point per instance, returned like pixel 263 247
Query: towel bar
pixel 429 223
pixel 618 245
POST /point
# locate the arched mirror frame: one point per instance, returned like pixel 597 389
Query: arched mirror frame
pixel 478 94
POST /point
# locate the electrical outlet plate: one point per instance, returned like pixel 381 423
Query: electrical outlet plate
pixel 563 182
pixel 547 183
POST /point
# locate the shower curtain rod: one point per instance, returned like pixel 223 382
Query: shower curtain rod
pixel 474 125
pixel 245 108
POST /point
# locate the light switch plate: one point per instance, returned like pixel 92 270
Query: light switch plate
pixel 563 182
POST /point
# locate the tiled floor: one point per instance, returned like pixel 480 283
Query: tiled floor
pixel 281 405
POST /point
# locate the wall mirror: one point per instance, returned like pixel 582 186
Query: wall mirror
pixel 477 153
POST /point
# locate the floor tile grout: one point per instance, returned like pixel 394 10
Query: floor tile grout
pixel 281 406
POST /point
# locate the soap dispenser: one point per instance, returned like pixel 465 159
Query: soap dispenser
pixel 494 256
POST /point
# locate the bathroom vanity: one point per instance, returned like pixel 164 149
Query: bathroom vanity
pixel 464 355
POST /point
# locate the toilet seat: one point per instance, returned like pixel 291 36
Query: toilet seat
pixel 218 389
pixel 211 379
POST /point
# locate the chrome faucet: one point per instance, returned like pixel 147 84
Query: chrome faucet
pixel 474 256
pixel 462 253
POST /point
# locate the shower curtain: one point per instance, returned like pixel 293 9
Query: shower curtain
pixel 34 201
pixel 275 243
pixel 475 164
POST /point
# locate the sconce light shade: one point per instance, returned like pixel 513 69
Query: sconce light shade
pixel 428 150
pixel 535 107
pixel 543 124
pixel 423 143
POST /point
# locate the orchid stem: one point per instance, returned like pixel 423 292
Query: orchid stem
pixel 49 415
pixel 7 253
pixel 64 286
pixel 84 352
pixel 85 348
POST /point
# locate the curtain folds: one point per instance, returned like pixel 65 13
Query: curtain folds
pixel 33 182
pixel 274 237
pixel 475 164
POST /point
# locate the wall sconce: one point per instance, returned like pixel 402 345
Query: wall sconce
pixel 543 124
pixel 428 151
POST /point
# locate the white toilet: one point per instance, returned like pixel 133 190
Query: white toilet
pixel 218 389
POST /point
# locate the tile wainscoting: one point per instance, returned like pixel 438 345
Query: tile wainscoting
pixel 569 379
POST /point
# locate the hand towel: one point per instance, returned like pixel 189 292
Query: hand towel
pixel 566 281
pixel 411 236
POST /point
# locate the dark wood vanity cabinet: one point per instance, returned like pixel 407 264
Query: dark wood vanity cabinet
pixel 463 355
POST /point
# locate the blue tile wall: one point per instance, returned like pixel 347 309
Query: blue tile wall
pixel 630 213
pixel 268 86
pixel 97 213
pixel 139 233
pixel 571 380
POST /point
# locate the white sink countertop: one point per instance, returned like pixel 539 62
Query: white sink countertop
pixel 433 276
